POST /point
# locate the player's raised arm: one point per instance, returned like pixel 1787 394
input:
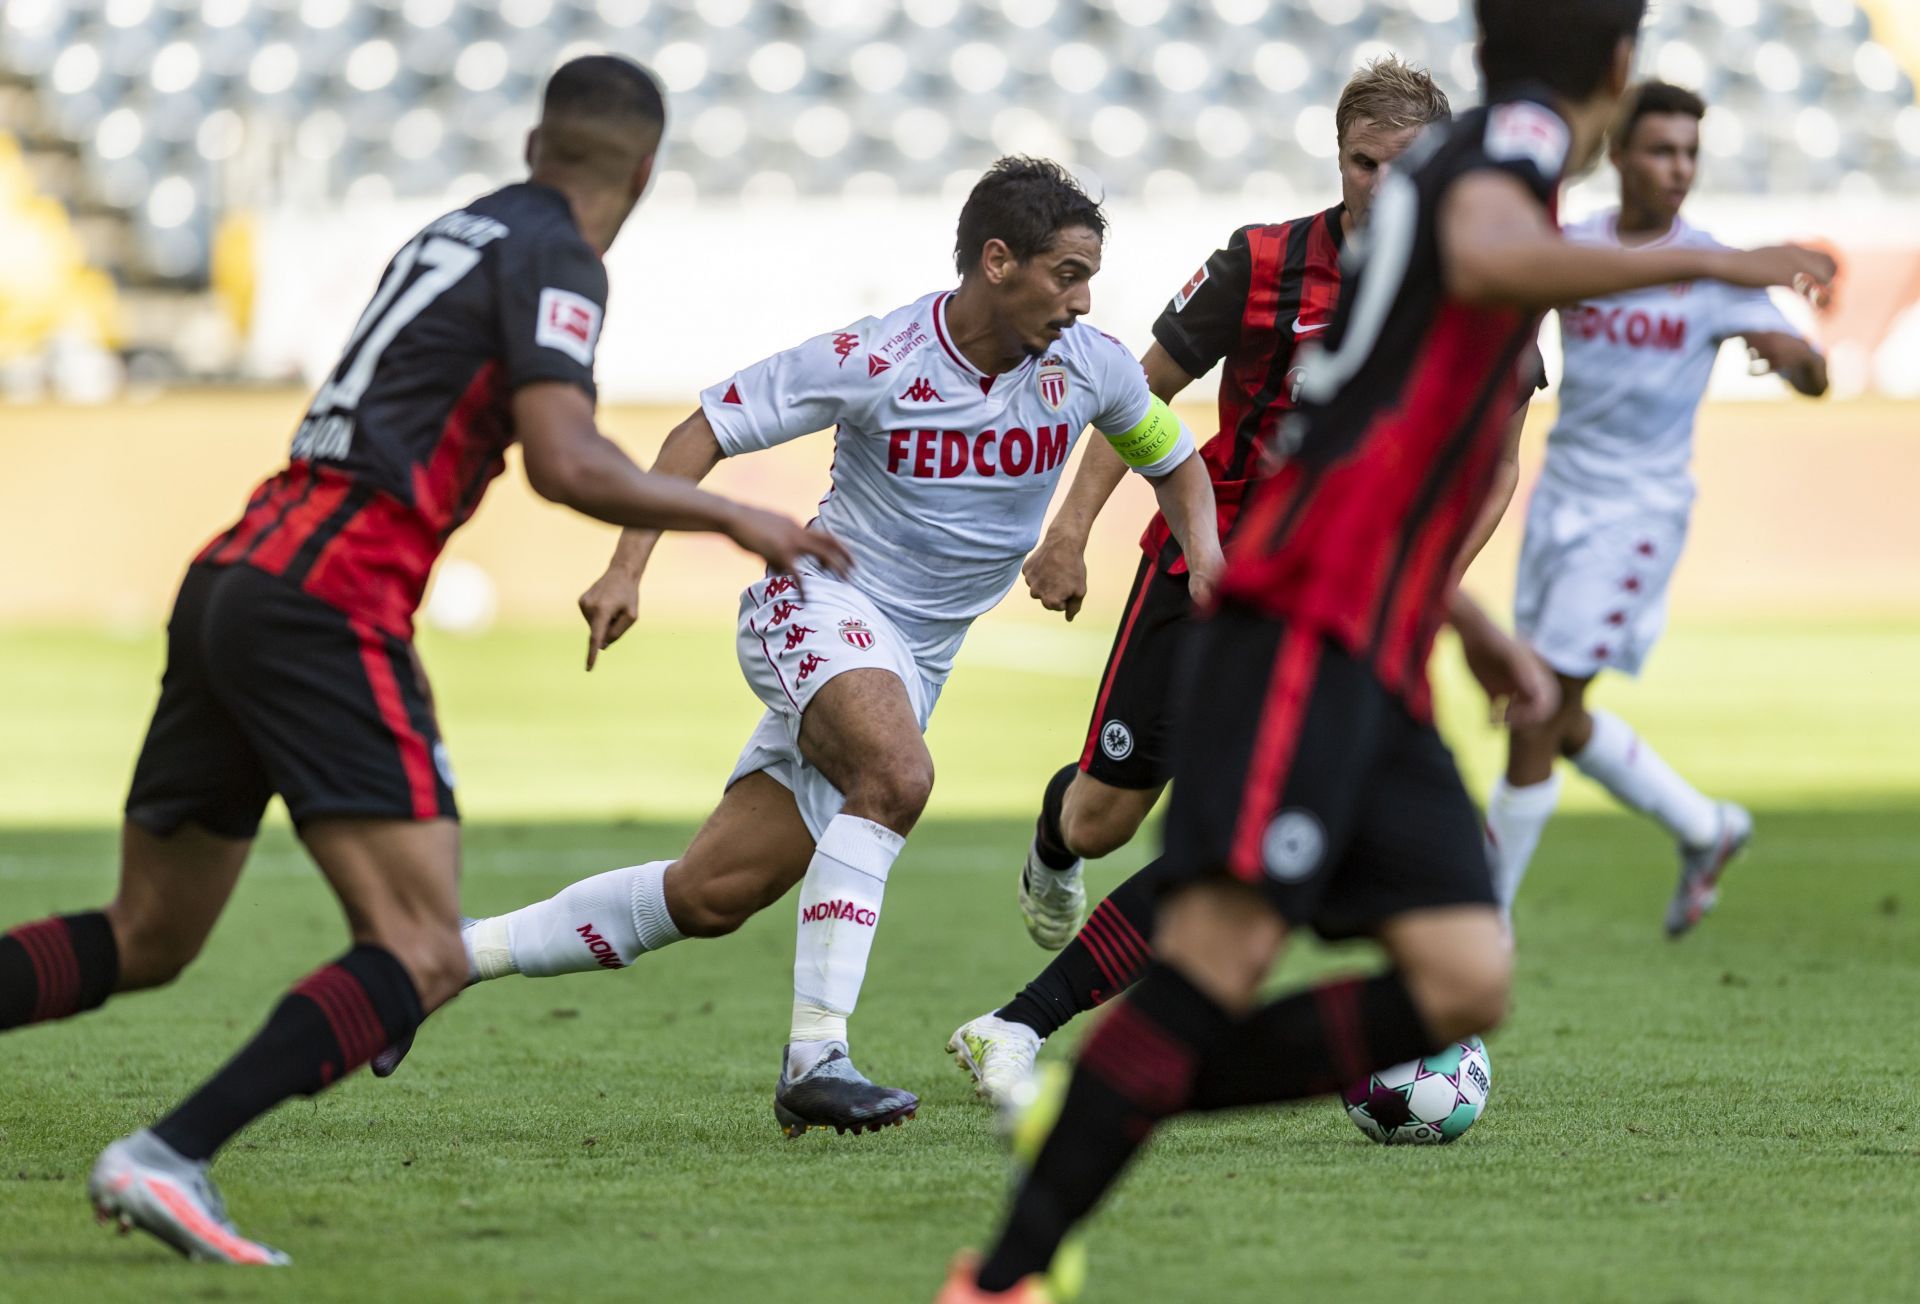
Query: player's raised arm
pixel 1498 247
pixel 1056 571
pixel 1791 358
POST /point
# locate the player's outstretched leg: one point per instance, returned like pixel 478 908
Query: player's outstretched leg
pixel 1709 833
pixel 397 881
pixel 1081 818
pixel 171 892
pixel 1107 956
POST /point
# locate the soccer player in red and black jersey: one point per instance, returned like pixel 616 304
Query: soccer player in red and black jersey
pixel 1311 789
pixel 290 664
pixel 1253 305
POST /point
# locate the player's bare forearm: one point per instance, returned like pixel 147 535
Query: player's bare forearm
pixel 1099 474
pixel 1186 499
pixel 689 453
pixel 1506 478
pixel 1792 359
pixel 1498 248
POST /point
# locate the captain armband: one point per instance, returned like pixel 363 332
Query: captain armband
pixel 1150 441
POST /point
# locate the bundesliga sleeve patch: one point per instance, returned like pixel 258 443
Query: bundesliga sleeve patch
pixel 568 322
pixel 1191 288
pixel 1522 131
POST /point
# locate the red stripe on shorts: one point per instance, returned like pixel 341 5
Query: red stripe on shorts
pixel 415 760
pixel 1281 717
pixel 1113 666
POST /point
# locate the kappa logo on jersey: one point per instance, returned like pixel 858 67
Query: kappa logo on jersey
pixel 1637 329
pixel 782 610
pixel 1116 740
pixel 1293 846
pixel 568 322
pixel 1053 384
pixel 946 454
pixel 856 633
pixel 777 585
pixel 877 364
pixel 810 663
pixel 921 392
pixel 1191 288
pixel 844 344
pixel 795 637
pixel 1524 131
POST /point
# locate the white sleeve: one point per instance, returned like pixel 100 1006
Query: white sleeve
pixel 1126 401
pixel 793 393
pixel 1744 311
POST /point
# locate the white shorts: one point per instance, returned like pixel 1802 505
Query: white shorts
pixel 1592 590
pixel 788 648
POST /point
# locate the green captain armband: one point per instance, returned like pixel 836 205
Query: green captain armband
pixel 1151 440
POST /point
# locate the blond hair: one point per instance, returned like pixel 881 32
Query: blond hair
pixel 1392 93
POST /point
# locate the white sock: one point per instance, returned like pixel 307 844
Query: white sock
pixel 838 912
pixel 1620 761
pixel 1516 817
pixel 603 922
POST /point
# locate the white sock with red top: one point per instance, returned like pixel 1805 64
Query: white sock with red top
pixel 603 922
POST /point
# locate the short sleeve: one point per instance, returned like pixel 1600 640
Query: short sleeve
pixel 793 393
pixel 1126 403
pixel 1746 311
pixel 553 298
pixel 1201 324
pixel 1529 141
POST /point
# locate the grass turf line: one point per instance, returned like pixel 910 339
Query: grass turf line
pixel 1730 1118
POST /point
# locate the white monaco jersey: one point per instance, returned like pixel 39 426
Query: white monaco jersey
pixel 941 475
pixel 1637 365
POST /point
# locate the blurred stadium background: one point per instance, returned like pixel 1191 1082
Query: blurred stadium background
pixel 196 196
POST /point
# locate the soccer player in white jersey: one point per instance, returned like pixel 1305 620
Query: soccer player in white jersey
pixel 954 418
pixel 1609 516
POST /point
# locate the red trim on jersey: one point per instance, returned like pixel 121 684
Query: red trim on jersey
pixel 940 333
pixel 277 547
pixel 1282 716
pixel 415 759
pixel 1113 665
pixel 1319 295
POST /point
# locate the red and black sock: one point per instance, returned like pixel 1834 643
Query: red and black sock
pixel 333 1021
pixel 1315 1042
pixel 1048 840
pixel 1137 1068
pixel 56 967
pixel 1105 957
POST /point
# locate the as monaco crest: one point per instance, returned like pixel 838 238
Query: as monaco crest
pixel 1053 385
pixel 856 633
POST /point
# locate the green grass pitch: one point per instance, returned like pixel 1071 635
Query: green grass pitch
pixel 1734 1117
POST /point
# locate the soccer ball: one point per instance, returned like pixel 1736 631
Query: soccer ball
pixel 1427 1101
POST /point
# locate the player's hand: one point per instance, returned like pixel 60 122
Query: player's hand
pixel 1808 272
pixel 784 542
pixel 611 607
pixel 1519 684
pixel 1056 574
pixel 1203 577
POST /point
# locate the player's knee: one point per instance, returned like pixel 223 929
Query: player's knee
pixel 894 792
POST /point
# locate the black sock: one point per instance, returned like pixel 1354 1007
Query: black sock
pixel 56 968
pixel 1047 838
pixel 333 1021
pixel 1106 956
pixel 1136 1069
pixel 1321 1040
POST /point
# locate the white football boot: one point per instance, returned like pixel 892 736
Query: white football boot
pixel 141 1181
pixel 1700 869
pixel 997 1054
pixel 1052 901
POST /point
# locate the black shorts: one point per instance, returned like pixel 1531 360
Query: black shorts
pixel 1130 738
pixel 270 690
pixel 1297 771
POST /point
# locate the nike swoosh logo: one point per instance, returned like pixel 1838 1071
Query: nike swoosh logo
pixel 1301 328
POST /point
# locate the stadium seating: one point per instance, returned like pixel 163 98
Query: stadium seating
pixel 177 107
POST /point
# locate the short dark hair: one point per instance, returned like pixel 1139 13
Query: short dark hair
pixel 1649 98
pixel 1025 202
pixel 1566 46
pixel 607 87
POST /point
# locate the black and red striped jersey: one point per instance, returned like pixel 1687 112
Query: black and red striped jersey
pixel 1253 304
pixel 404 436
pixel 1392 451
